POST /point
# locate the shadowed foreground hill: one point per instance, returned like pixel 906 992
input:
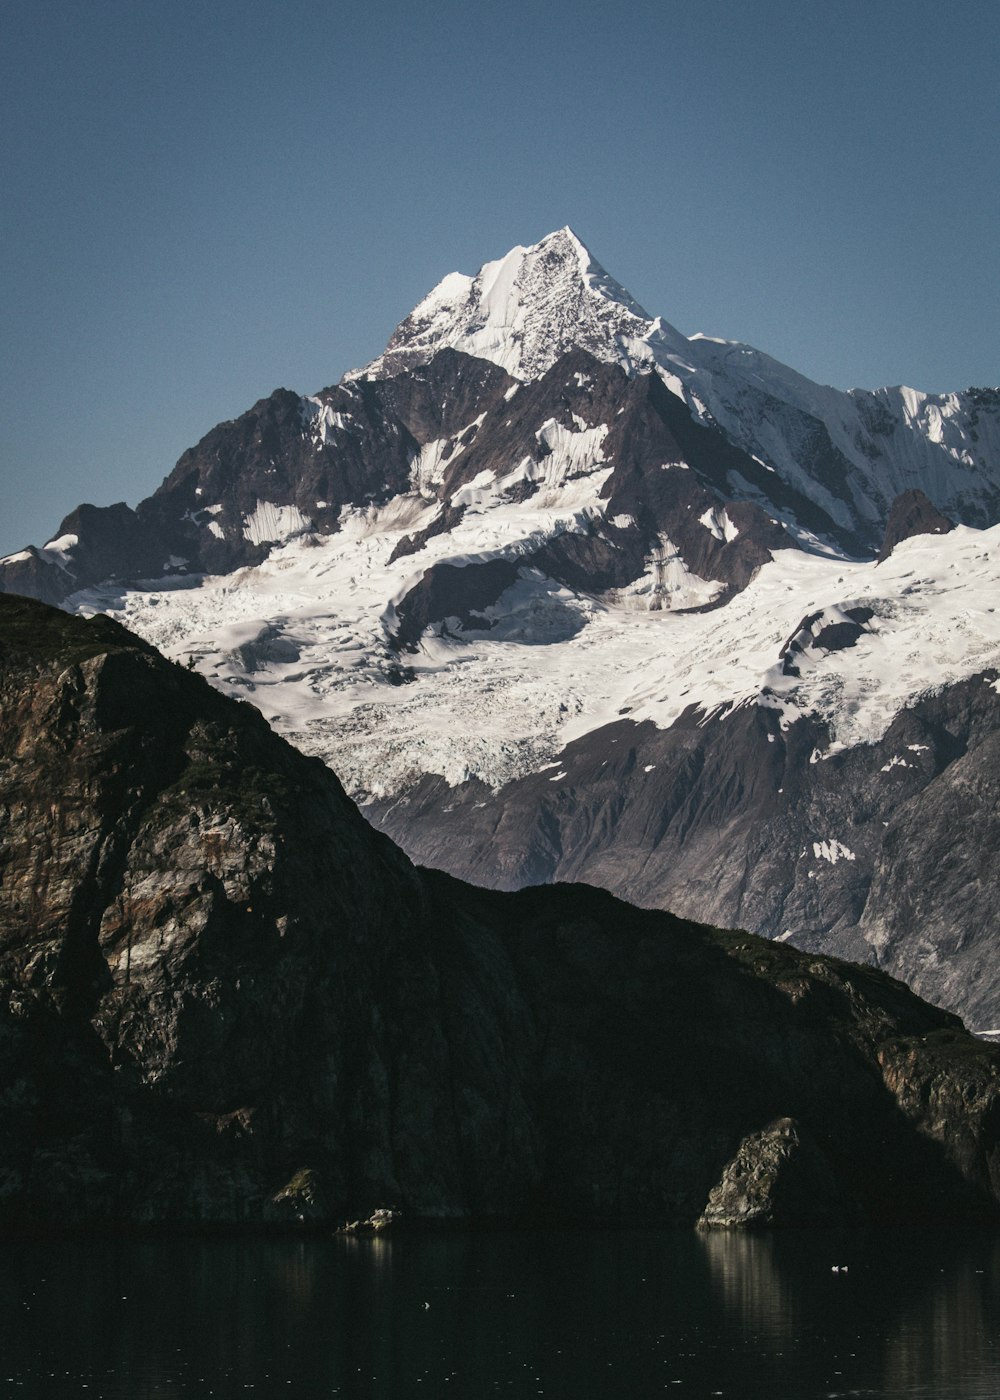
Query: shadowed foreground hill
pixel 225 999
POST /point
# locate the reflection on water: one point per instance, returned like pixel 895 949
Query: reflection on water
pixel 749 1284
pixel 571 1315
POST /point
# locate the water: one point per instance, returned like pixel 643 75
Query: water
pixel 564 1315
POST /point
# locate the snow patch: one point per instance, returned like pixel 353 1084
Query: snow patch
pixel 321 421
pixel 895 762
pixel 270 524
pixel 717 522
pixel 428 463
pixel 832 851
pixel 58 551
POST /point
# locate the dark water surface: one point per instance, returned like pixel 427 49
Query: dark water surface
pixel 565 1315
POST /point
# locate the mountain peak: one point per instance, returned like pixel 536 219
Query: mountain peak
pixel 523 311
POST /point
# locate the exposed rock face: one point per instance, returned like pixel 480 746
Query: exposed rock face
pixel 226 999
pixel 912 514
pixel 930 915
pixel 881 852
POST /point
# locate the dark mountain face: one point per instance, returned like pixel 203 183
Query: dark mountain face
pixel 226 999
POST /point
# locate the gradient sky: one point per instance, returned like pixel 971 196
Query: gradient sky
pixel 203 201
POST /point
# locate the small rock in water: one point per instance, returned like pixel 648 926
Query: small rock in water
pixel 378 1221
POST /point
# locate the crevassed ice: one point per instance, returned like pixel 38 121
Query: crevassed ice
pixel 497 707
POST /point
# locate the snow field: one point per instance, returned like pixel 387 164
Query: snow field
pixel 304 636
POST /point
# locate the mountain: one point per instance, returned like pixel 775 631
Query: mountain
pixel 225 999
pixel 841 457
pixel 562 593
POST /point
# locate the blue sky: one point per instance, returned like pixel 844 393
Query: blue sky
pixel 205 201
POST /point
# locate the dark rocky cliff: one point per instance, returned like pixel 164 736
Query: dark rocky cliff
pixel 225 999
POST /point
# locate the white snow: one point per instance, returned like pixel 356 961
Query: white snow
pixel 320 421
pixel 429 463
pixel 270 524
pixel 895 762
pixel 522 311
pixel 525 309
pixel 497 705
pixel 58 551
pixel 832 851
pixel 17 558
pixel 568 456
pixel 718 523
pixel 666 584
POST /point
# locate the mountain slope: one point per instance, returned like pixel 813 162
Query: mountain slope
pixel 226 1000
pixel 542 515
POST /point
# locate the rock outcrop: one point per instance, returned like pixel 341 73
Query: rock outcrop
pixel 225 999
pixel 912 514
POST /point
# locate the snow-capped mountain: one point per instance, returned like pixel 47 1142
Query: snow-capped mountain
pixel 560 592
pixel 848 454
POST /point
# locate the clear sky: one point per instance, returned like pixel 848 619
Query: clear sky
pixel 205 200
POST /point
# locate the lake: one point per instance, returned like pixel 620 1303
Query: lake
pixel 567 1314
